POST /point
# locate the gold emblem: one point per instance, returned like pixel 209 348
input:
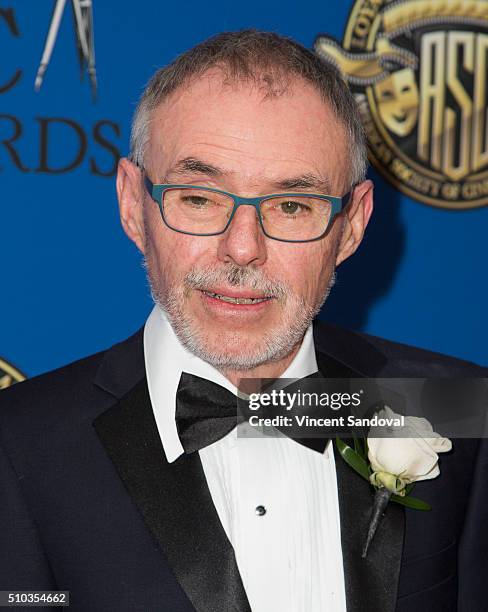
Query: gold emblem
pixel 9 375
pixel 419 72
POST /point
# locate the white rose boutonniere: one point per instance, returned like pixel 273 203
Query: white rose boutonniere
pixel 393 458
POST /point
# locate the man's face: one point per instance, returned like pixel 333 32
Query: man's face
pixel 232 138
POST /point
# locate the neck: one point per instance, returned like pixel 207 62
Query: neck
pixel 273 369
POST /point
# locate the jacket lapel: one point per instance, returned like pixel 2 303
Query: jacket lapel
pixel 371 583
pixel 175 503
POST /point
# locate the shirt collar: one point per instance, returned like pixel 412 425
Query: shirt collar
pixel 166 358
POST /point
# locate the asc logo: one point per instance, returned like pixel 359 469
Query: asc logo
pixel 419 71
pixel 9 375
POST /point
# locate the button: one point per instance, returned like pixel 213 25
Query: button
pixel 260 510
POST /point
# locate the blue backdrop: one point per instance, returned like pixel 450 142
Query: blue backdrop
pixel 73 284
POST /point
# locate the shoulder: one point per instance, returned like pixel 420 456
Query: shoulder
pixel 61 399
pixel 51 399
pixel 375 356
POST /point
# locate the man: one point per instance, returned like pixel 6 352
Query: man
pixel 112 491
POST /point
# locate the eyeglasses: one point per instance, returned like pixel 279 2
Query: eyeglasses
pixel 203 211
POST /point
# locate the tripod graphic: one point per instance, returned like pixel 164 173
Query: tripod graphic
pixel 83 22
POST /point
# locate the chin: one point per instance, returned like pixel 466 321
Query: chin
pixel 235 343
pixel 230 349
pixel 238 350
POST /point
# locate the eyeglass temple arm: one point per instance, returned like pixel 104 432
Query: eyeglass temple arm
pixel 148 184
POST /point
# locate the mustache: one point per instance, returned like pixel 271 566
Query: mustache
pixel 204 279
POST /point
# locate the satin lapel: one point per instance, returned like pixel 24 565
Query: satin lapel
pixel 175 502
pixel 371 583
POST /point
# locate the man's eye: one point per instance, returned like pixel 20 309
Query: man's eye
pixel 196 201
pixel 292 208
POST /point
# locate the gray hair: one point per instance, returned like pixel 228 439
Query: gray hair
pixel 266 59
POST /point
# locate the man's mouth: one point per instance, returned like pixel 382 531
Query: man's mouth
pixel 236 300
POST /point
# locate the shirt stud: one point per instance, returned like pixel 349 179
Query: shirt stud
pixel 260 510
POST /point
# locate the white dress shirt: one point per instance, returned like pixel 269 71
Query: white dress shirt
pixel 289 554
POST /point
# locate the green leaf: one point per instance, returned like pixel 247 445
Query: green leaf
pixel 359 447
pixel 409 488
pixel 352 458
pixel 411 502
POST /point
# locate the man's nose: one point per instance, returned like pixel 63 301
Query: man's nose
pixel 243 242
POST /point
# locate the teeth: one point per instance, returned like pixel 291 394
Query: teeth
pixel 232 300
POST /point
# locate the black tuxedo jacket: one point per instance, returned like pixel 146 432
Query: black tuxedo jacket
pixel 89 504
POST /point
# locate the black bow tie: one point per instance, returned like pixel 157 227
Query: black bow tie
pixel 206 412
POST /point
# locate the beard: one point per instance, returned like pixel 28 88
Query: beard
pixel 273 343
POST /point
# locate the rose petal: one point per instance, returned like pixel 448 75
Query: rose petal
pixel 435 471
pixel 419 425
pixel 408 457
pixel 439 444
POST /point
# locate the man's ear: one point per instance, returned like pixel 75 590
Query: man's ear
pixel 131 197
pixel 356 217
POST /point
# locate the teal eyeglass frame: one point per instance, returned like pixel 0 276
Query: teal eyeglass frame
pixel 156 191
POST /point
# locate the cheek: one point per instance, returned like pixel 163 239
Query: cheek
pixel 306 269
pixel 175 254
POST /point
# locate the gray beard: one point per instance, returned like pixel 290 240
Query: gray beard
pixel 274 344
